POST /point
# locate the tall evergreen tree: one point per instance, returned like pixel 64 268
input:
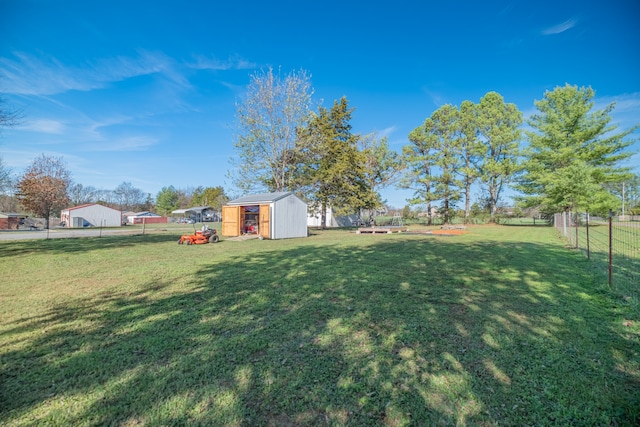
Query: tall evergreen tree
pixel 470 150
pixel 444 125
pixel 573 153
pixel 167 200
pixel 419 158
pixel 434 160
pixel 331 167
pixel 498 126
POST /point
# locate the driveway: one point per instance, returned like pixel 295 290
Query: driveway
pixel 59 233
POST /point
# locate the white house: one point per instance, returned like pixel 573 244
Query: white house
pixel 314 219
pixel 279 215
pixel 91 215
pixel 145 217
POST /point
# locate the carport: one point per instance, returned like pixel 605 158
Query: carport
pixel 196 213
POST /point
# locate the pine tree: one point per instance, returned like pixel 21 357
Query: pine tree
pixel 573 153
pixel 498 126
pixel 434 161
pixel 332 169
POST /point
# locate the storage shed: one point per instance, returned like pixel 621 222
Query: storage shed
pixel 91 215
pixel 269 215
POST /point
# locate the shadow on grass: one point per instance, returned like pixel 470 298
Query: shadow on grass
pixel 401 332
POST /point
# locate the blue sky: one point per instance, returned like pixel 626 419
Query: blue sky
pixel 145 91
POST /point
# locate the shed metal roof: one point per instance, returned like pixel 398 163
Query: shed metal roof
pixel 194 209
pixel 255 199
pixel 145 213
pixel 89 205
pixel 12 215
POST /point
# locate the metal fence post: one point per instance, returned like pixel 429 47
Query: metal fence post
pixel 576 225
pixel 588 243
pixel 610 248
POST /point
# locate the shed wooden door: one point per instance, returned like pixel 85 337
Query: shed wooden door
pixel 231 221
pixel 265 221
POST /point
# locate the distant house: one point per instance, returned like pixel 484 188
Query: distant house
pixel 314 219
pixel 91 215
pixel 10 221
pixel 145 217
pixel 279 215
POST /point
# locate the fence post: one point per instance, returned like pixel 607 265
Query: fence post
pixel 588 242
pixel 564 223
pixel 576 224
pixel 610 248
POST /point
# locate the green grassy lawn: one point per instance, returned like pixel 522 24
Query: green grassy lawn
pixel 501 326
pixel 625 244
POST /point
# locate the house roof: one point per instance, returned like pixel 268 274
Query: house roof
pixel 255 199
pixel 11 215
pixel 88 205
pixel 193 209
pixel 144 213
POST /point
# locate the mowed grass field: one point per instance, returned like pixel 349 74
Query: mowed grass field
pixel 501 326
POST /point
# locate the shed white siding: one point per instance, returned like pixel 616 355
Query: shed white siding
pixel 289 218
pixel 92 215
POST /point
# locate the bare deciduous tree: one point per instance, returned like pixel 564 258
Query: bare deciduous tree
pixel 9 116
pixel 273 109
pixel 80 195
pixel 129 197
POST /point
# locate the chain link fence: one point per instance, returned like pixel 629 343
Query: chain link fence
pixel 613 246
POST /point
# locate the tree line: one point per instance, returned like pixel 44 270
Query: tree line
pixel 572 156
pixel 46 187
pixel 568 157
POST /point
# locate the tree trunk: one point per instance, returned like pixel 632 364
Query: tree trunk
pixel 467 203
pixel 493 202
pixel 446 211
pixel 323 215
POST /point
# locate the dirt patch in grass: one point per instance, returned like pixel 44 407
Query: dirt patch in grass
pixel 449 232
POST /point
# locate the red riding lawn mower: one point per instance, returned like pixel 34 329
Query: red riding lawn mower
pixel 200 237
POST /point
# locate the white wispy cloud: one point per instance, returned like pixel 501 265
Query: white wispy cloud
pixel 26 74
pixel 128 143
pixel 560 28
pixel 626 112
pixel 437 99
pixel 98 135
pixel 202 62
pixel 44 126
pixel 387 131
